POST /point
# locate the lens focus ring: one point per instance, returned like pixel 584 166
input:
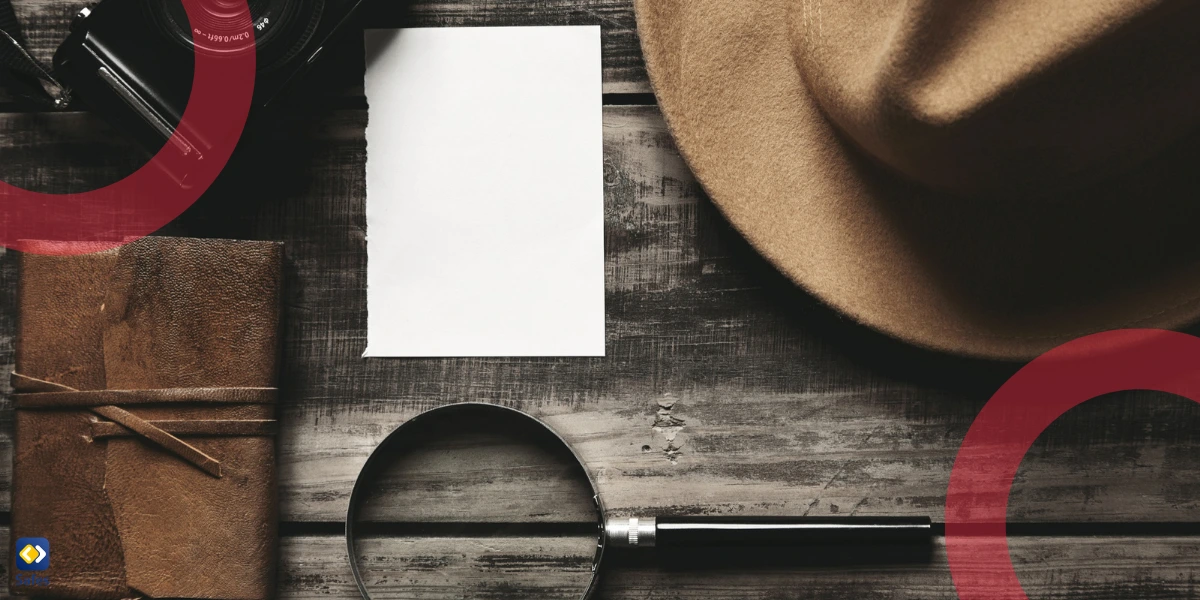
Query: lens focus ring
pixel 278 29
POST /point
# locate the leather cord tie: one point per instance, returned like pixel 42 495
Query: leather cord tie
pixel 38 394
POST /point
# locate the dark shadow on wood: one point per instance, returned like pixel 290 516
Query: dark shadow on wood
pixel 870 348
pixel 748 559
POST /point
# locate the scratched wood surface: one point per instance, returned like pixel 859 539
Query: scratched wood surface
pixel 724 390
pixel 1092 567
pixel 721 392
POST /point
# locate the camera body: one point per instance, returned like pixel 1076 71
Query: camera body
pixel 132 61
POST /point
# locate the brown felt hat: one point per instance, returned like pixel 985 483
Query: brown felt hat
pixel 983 177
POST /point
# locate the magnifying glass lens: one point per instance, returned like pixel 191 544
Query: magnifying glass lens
pixel 474 504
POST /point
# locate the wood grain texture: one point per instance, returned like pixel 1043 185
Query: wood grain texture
pixel 1093 568
pixel 46 23
pixel 476 466
pixel 765 415
pixel 8 327
pixel 722 391
pixel 1063 568
pixel 472 567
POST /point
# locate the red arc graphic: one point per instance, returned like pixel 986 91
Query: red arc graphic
pixel 1061 379
pixel 222 90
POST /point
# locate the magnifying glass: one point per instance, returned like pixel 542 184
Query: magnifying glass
pixel 479 500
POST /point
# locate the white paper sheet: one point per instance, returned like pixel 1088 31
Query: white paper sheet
pixel 485 192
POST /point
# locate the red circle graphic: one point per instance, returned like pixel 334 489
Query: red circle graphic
pixel 222 90
pixel 1061 379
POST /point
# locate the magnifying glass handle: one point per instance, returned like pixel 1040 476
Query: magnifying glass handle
pixel 688 532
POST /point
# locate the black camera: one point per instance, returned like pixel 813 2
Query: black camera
pixel 132 61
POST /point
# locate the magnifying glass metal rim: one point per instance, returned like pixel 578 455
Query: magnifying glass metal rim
pixel 668 531
pixel 408 426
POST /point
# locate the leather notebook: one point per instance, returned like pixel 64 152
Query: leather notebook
pixel 144 450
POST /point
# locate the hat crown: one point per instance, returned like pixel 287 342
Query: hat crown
pixel 985 97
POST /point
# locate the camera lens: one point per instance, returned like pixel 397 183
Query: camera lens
pixel 278 29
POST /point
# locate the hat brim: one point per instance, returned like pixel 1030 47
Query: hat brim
pixel 1000 279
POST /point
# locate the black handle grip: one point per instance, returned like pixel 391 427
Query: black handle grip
pixel 685 532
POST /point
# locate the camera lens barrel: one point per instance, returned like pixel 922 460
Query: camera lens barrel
pixel 278 29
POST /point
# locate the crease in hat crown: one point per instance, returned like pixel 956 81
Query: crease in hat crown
pixel 982 177
pixel 991 98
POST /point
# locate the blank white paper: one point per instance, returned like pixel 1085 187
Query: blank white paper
pixel 485 192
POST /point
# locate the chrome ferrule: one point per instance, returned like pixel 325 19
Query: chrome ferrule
pixel 632 532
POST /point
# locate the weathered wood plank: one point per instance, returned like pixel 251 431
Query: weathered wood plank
pixel 465 567
pixel 8 327
pixel 1068 568
pixel 486 467
pixel 722 391
pixel 1095 568
pixel 766 415
pixel 46 24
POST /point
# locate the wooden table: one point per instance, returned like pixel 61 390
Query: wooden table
pixel 724 390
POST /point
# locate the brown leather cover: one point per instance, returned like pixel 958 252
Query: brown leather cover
pixel 165 486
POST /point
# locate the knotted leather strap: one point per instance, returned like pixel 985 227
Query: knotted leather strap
pixel 215 428
pixel 60 398
pixel 34 393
